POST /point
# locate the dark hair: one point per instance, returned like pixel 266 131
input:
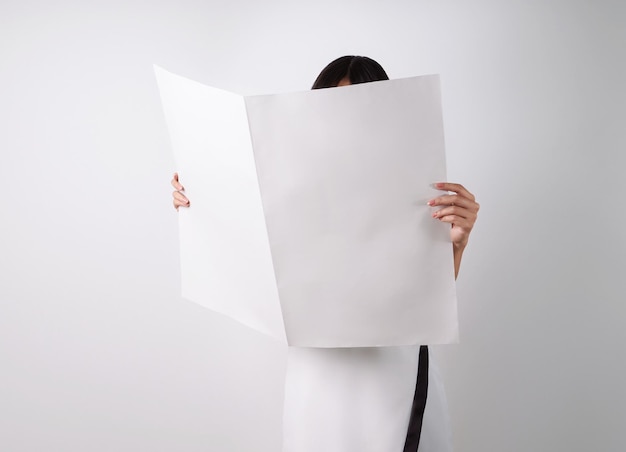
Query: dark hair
pixel 358 69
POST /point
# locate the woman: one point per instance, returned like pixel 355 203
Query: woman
pixel 381 399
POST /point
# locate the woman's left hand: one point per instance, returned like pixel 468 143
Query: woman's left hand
pixel 460 209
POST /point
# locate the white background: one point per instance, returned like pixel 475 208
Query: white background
pixel 97 350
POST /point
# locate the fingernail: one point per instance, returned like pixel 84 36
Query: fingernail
pixel 439 185
pixel 431 202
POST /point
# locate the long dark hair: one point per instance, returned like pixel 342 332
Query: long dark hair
pixel 358 69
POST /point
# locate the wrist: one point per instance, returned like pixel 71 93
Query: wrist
pixel 459 246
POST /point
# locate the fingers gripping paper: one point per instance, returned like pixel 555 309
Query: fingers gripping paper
pixel 309 219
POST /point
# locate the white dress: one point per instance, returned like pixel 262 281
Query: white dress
pixel 359 399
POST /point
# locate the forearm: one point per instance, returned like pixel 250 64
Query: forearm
pixel 458 254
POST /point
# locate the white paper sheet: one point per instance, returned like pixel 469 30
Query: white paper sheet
pixel 342 252
pixel 225 257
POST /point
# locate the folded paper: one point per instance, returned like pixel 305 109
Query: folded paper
pixel 308 217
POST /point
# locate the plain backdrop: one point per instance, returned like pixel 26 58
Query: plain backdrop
pixel 98 351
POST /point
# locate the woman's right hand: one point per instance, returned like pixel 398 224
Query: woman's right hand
pixel 179 198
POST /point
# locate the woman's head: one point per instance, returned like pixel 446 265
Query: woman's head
pixel 350 70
